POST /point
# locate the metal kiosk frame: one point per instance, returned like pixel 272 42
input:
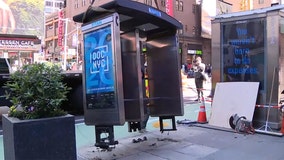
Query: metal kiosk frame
pixel 143 67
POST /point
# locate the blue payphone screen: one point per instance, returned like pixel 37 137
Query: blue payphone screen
pixel 99 71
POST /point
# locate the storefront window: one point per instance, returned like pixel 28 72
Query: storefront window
pixel 243 51
pixel 18 59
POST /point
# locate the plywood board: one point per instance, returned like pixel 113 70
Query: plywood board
pixel 233 98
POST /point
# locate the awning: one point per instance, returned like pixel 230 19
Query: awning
pixel 133 15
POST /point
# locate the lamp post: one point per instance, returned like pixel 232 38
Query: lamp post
pixel 65 44
pixel 65 20
pixel 77 44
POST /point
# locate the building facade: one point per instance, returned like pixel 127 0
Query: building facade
pixel 195 15
pixel 51 6
pixel 245 5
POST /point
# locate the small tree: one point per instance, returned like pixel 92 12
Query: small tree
pixel 38 90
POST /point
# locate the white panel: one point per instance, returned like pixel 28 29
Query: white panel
pixel 233 98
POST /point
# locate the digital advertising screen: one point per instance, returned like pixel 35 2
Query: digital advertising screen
pixel 99 70
pixel 243 50
pixel 102 73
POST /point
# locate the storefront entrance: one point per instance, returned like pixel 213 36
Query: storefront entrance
pixel 20 49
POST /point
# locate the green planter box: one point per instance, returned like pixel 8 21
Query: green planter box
pixel 46 138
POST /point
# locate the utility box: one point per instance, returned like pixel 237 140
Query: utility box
pixel 249 46
pixel 131 67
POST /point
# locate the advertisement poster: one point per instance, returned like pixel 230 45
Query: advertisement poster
pixel 25 17
pixel 243 51
pixel 99 61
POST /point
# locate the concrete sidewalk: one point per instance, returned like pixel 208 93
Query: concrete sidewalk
pixel 191 142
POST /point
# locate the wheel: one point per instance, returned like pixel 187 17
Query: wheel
pixel 231 122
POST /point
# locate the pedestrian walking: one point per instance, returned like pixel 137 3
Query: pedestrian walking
pixel 199 71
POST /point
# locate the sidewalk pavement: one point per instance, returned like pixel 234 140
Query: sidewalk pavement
pixel 191 142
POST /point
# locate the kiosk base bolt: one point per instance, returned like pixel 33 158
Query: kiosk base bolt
pixel 139 140
pixel 105 145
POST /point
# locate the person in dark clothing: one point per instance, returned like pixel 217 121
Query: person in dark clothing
pixel 208 70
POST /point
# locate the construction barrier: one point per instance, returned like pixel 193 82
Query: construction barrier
pixel 269 115
pixel 268 119
pixel 266 106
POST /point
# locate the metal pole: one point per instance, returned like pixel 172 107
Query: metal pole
pixel 77 44
pixel 65 45
pixel 271 91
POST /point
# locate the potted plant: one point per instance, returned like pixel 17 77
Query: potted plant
pixel 36 127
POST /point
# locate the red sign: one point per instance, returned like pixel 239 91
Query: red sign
pixel 169 7
pixel 60 28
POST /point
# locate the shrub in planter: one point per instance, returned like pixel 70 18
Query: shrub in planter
pixel 36 127
pixel 38 90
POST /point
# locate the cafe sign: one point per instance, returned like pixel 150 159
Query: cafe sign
pixel 14 43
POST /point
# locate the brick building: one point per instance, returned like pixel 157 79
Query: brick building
pixel 191 13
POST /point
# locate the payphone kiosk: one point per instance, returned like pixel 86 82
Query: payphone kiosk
pixel 103 92
pixel 131 67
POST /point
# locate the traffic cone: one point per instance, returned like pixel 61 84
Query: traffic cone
pixel 202 113
pixel 282 114
pixel 282 126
